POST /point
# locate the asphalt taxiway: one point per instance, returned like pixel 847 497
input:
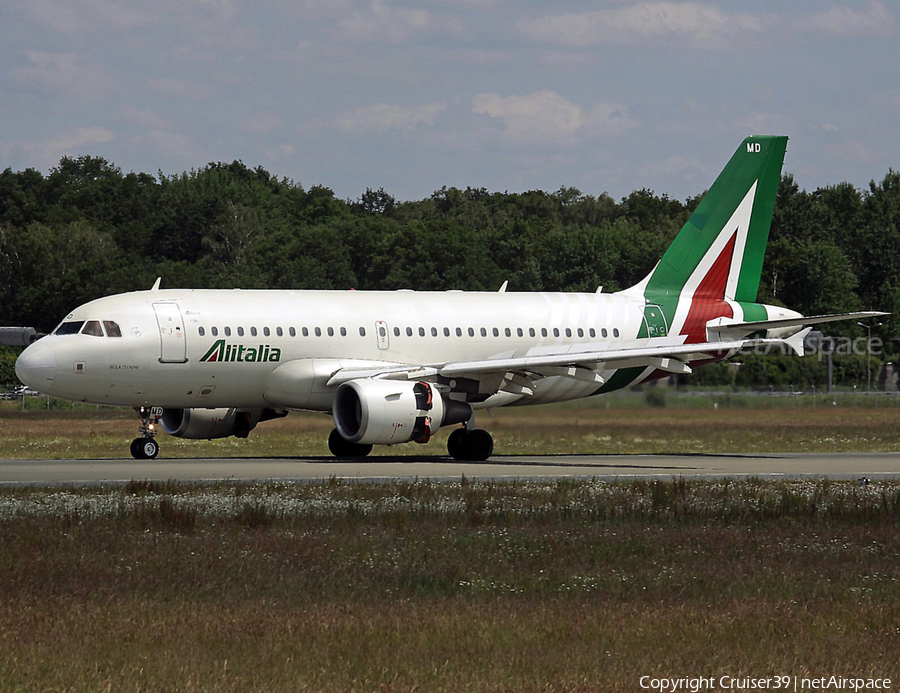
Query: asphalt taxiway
pixel 711 466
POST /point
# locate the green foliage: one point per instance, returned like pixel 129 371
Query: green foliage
pixel 88 230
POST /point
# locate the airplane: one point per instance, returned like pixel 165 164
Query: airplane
pixel 394 366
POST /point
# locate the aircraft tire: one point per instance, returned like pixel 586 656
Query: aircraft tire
pixel 144 448
pixel 342 448
pixel 472 446
pixel 456 443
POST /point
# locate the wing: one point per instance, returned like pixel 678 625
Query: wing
pixel 584 363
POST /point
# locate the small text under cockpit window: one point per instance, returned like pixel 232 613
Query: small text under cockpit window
pixel 92 327
pixel 73 327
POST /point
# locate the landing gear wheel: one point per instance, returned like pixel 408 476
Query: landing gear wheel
pixel 144 448
pixel 343 448
pixel 473 446
pixel 456 443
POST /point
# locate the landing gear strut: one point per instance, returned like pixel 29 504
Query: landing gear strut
pixel 146 447
pixel 475 445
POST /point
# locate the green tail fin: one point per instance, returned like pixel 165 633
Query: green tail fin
pixel 720 249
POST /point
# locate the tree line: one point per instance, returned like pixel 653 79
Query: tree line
pixel 86 229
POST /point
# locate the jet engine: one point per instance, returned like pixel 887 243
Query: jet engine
pixel 214 423
pixel 383 412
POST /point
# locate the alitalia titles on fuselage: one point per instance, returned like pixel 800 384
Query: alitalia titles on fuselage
pixel 222 352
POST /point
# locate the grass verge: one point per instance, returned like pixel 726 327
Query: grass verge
pixel 517 586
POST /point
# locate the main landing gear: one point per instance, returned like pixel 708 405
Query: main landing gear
pixel 473 446
pixel 146 447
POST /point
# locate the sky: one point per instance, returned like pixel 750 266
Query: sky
pixel 509 95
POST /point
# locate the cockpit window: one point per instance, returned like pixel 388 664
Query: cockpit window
pixel 73 327
pixel 112 328
pixel 92 327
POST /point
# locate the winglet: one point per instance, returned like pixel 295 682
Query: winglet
pixel 156 284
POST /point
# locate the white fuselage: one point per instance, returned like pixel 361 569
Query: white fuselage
pixel 219 348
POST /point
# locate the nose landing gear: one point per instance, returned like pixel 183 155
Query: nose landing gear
pixel 146 447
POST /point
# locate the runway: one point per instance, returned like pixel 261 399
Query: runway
pixel 18 472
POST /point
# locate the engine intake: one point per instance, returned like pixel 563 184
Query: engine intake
pixel 383 412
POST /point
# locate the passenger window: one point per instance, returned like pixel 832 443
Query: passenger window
pixel 556 332
pixel 543 332
pixel 519 332
pixel 252 331
pixel 362 331
pixel 227 331
pixel 604 332
pixel 409 332
pixel 215 332
pixel 240 331
pixel 495 332
pixel 293 332
pixel 568 332
pixel 531 332
pixel 112 328
pixel 593 332
pixel 318 332
pixel 507 332
pixel 446 331
pixel 580 332
pixel 396 331
pixel 615 332
pixel 201 331
pixel 70 327
pixel 471 331
pixel 306 332
pixel 331 332
pixel 343 332
pixel 266 332
pixel 92 327
pixel 459 332
pixel 279 332
pixel 434 332
pixel 421 331
pixel 484 332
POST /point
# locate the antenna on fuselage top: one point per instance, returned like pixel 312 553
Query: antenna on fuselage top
pixel 503 288
pixel 155 286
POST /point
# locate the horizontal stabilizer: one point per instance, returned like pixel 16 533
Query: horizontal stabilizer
pixel 792 322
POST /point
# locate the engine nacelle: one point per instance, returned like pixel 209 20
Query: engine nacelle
pixel 384 412
pixel 210 423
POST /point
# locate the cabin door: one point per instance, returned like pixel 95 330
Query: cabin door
pixel 172 345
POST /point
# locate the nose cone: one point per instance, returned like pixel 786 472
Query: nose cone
pixel 36 367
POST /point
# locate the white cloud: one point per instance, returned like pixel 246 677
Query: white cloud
pixel 703 25
pixel 147 118
pixel 180 88
pixel 381 117
pixel 545 117
pixel 848 21
pixel 46 153
pixel 67 73
pixel 263 121
pixel 74 16
pixel 384 24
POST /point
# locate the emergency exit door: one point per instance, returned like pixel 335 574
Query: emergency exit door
pixel 172 345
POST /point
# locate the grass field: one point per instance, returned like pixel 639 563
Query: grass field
pixel 623 424
pixel 568 586
pixel 539 586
